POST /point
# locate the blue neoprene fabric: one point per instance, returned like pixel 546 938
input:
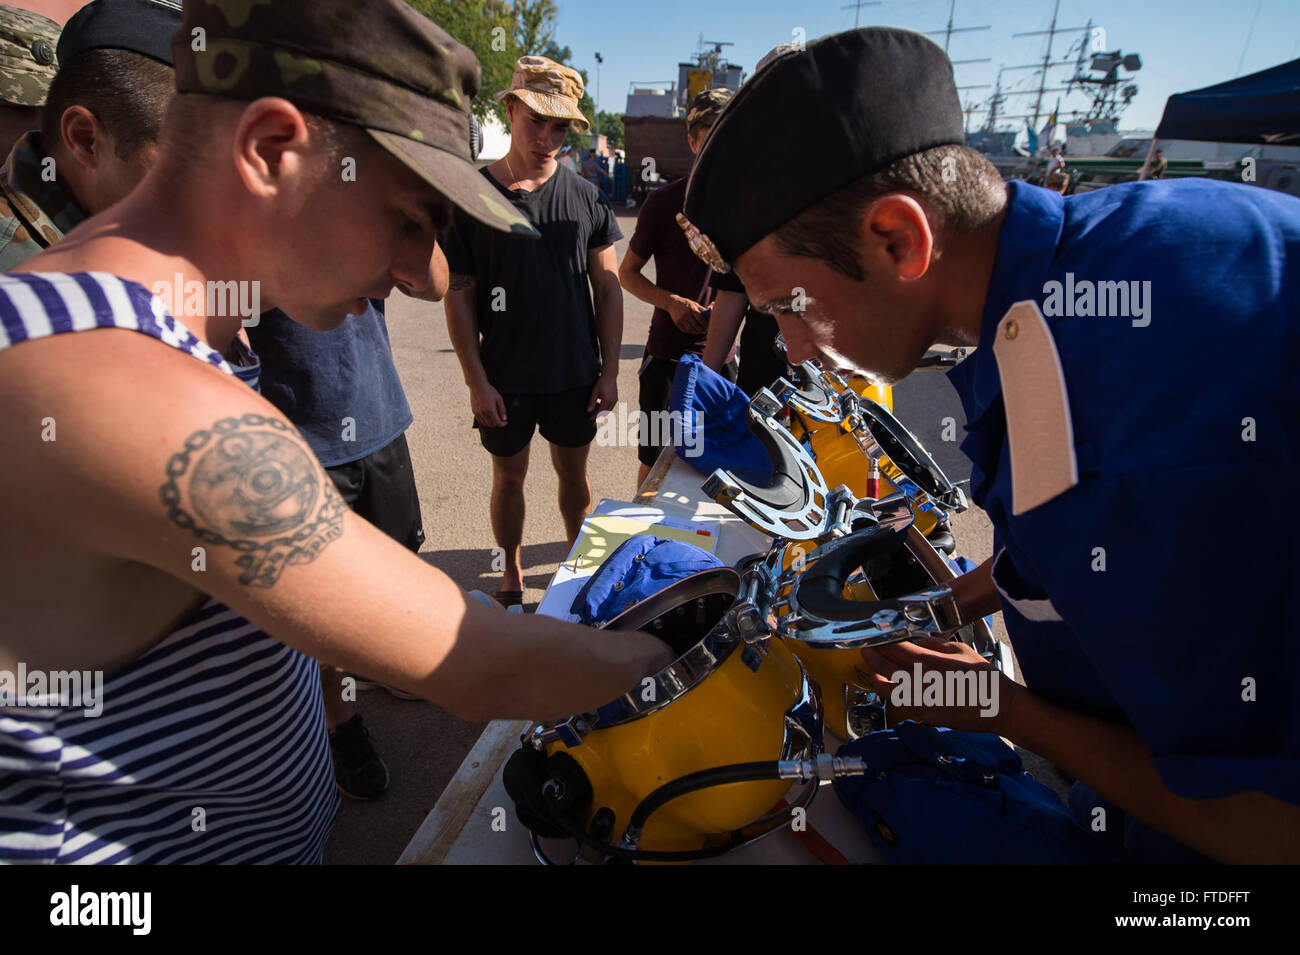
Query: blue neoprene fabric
pixel 640 566
pixel 714 413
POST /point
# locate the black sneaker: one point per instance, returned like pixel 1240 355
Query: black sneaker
pixel 400 694
pixel 359 772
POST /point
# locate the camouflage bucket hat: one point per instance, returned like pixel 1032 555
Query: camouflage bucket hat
pixel 547 88
pixel 378 65
pixel 27 56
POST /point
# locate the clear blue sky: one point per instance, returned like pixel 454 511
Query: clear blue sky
pixel 1184 45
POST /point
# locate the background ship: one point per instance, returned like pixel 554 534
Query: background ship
pixel 1073 95
pixel 1094 84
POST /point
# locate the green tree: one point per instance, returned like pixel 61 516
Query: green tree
pixel 611 126
pixel 560 54
pixel 500 32
pixel 535 26
pixel 488 27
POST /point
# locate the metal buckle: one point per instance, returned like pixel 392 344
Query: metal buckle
pixel 822 396
pixel 805 518
pixel 826 397
pixel 929 612
pixel 864 712
pixel 569 732
pixel 880 434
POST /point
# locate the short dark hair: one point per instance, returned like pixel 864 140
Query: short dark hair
pixel 193 121
pixel 127 92
pixel 955 185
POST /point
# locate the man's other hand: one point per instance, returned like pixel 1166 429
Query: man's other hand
pixel 980 705
pixel 604 395
pixel 488 407
pixel 687 315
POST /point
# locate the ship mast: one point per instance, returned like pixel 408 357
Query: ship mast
pixel 947 32
pixel 994 103
pixel 1050 33
pixel 857 8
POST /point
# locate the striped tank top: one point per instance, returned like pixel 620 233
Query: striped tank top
pixel 209 748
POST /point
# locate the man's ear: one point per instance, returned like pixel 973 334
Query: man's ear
pixel 897 238
pixel 84 138
pixel 271 139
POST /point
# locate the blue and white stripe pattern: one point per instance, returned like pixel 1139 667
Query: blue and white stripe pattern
pixel 211 747
pixel 39 304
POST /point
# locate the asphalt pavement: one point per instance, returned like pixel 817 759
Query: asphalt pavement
pixel 424 744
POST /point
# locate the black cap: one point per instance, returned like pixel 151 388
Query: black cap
pixel 811 122
pixel 137 26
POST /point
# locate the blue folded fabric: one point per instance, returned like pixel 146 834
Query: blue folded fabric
pixel 640 566
pixel 938 796
pixel 714 416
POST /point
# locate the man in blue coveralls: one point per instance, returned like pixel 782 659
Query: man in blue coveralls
pixel 1132 394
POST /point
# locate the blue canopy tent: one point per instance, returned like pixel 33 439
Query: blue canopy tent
pixel 1262 108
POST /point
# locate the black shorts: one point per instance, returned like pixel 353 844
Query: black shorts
pixel 562 418
pixel 381 488
pixel 656 387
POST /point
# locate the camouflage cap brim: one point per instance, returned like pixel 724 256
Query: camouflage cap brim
pixel 457 180
pixel 547 104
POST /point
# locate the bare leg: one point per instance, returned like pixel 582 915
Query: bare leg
pixel 507 510
pixel 575 489
pixel 337 711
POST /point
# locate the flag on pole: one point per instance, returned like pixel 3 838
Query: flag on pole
pixel 1048 131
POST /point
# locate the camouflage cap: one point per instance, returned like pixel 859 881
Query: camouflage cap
pixel 378 65
pixel 27 59
pixel 706 107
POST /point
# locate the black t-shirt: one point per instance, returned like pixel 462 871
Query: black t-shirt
pixel 760 362
pixel 533 304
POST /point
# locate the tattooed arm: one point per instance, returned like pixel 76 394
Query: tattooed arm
pixel 140 478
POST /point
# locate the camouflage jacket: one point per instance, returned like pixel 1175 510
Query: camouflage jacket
pixel 34 213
